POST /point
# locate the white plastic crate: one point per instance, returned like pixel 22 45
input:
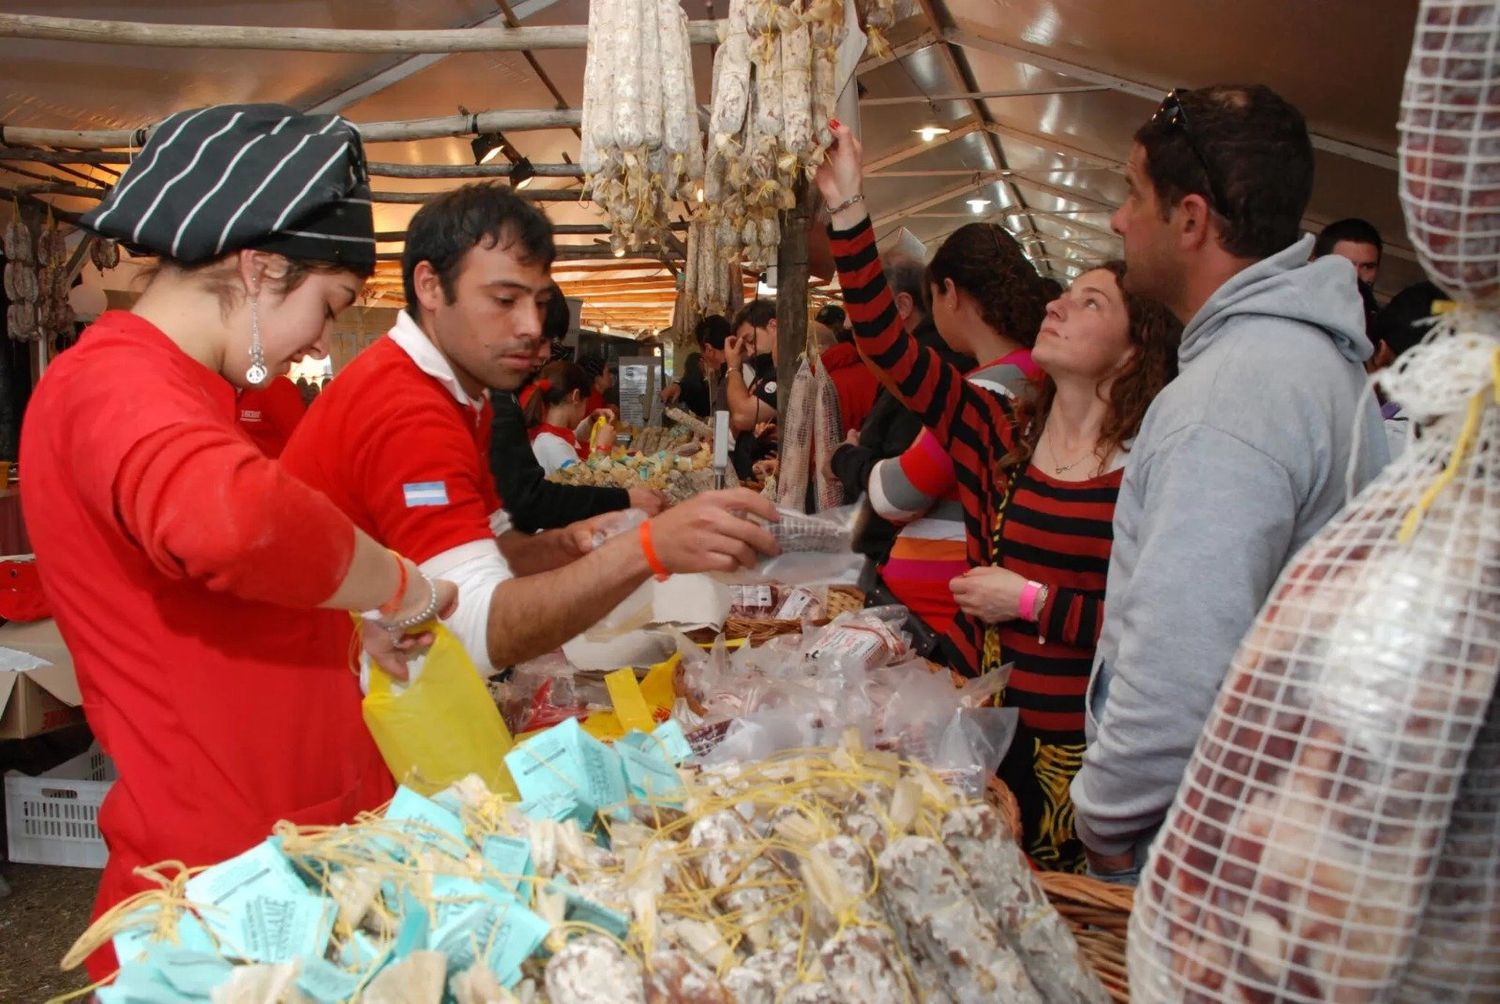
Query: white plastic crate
pixel 52 819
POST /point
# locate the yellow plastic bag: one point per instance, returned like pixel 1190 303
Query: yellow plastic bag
pixel 441 727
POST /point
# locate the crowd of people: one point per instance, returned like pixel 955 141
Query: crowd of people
pixel 1096 486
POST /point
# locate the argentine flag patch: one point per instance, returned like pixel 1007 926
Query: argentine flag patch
pixel 420 493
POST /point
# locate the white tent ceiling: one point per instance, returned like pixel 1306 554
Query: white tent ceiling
pixel 1048 159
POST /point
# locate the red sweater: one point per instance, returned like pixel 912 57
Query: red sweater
pixel 270 414
pixel 183 568
pixel 856 385
pixel 394 450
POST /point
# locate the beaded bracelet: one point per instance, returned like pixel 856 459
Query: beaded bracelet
pixel 427 613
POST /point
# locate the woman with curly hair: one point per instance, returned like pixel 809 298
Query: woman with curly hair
pixel 1038 481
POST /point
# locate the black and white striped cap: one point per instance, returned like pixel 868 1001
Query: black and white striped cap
pixel 220 179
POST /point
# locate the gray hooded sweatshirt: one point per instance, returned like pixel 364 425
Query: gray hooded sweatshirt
pixel 1239 462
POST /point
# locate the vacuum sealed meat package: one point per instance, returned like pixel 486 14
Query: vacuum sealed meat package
pixel 1306 847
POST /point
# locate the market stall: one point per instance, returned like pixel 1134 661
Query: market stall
pixel 751 787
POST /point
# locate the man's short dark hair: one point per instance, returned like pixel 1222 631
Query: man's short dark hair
pixel 906 274
pixel 712 332
pixel 1353 229
pixel 832 315
pixel 835 319
pixel 1407 319
pixel 558 318
pixel 1255 143
pixel 756 313
pixel 1051 288
pixel 445 229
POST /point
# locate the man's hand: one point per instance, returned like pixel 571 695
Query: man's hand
pixel 670 393
pixel 648 500
pixel 767 468
pixel 764 428
pixel 991 594
pixel 852 438
pixel 735 351
pixel 584 536
pixel 709 533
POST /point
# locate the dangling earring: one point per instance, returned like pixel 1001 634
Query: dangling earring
pixel 257 372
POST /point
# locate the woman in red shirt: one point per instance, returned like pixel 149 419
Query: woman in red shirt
pixel 200 588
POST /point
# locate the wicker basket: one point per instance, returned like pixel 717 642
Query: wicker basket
pixel 1099 914
pixel 759 630
pixel 1003 800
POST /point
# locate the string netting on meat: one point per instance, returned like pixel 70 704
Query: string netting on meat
pixel 1457 954
pixel 1450 146
pixel 812 434
pixel 1298 857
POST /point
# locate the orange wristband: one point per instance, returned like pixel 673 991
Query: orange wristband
pixel 391 606
pixel 657 568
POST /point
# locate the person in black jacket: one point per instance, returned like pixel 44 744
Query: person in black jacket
pixel 533 502
pixel 700 386
pixel 890 428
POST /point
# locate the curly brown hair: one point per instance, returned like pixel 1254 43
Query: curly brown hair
pixel 985 261
pixel 1155 334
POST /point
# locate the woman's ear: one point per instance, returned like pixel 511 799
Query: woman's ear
pixel 1127 361
pixel 252 269
pixel 904 305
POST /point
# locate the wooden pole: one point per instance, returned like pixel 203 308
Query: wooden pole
pixel 792 273
pixel 388 198
pixel 558 230
pixel 522 120
pixel 398 41
pixel 571 252
pixel 530 195
pixel 378 169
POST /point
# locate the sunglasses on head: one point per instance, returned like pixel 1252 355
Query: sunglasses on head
pixel 1172 117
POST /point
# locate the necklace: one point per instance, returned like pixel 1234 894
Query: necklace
pixel 1058 468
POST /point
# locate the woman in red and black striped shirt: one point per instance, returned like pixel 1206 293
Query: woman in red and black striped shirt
pixel 1038 485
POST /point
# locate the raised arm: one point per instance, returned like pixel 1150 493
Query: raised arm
pixel 916 374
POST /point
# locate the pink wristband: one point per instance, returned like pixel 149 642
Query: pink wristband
pixel 1026 607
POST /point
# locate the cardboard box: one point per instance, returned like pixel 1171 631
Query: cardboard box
pixel 39 699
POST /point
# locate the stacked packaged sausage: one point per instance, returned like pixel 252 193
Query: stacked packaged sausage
pixel 1335 838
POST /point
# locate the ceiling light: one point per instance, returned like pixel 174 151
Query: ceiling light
pixel 978 205
pixel 487 146
pixel 931 131
pixel 522 174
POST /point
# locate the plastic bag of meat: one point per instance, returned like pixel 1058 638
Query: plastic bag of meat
pixel 1450 146
pixel 1299 856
